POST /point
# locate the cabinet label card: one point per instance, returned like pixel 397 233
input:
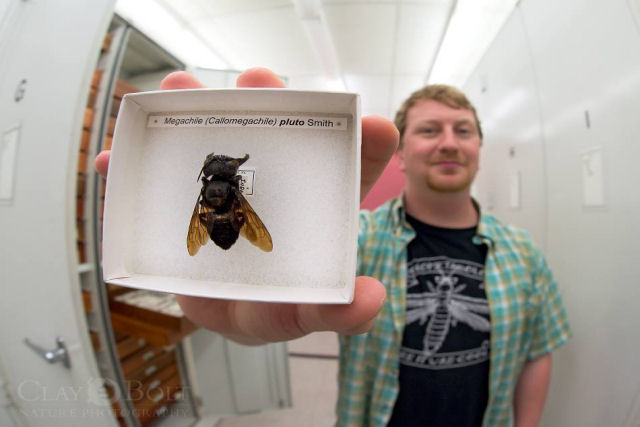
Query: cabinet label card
pixel 8 153
pixel 593 178
pixel 247 120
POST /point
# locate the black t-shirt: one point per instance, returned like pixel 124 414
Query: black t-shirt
pixel 444 359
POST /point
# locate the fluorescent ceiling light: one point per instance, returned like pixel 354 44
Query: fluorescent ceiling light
pixel 315 27
pixel 169 32
pixel 335 85
pixel 472 28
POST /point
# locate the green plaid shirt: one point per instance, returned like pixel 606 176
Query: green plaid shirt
pixel 528 319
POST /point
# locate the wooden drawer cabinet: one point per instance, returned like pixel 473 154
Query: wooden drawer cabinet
pixel 144 338
pixel 140 358
pixel 123 88
pixel 146 370
pixel 128 345
pixel 158 401
pixel 86 301
pixel 148 315
pixel 152 379
pixel 155 380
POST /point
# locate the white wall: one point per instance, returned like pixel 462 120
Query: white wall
pixel 552 64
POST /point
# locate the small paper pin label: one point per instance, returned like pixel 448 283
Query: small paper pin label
pixel 247 176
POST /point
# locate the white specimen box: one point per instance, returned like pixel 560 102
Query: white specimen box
pixel 304 158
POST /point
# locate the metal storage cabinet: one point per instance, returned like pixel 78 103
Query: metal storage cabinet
pixel 563 89
pixel 55 115
pixel 48 56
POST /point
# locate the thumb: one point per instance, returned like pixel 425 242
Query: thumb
pixel 355 318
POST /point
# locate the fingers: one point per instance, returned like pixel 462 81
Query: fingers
pixel 101 163
pixel 259 77
pixel 379 141
pixel 180 80
pixel 245 322
pixel 215 315
pixel 253 77
pixel 355 318
pixel 254 323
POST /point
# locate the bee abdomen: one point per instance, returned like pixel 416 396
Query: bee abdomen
pixel 223 233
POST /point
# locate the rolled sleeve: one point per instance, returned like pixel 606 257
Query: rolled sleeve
pixel 550 326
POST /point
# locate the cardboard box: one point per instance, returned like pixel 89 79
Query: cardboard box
pixel 304 150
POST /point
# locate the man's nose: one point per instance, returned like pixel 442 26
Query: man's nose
pixel 448 141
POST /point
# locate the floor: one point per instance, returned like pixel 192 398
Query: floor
pixel 313 368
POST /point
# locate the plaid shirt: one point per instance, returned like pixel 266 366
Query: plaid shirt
pixel 528 319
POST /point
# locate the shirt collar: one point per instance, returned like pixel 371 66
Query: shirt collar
pixel 483 231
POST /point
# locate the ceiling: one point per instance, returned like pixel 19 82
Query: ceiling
pixel 381 49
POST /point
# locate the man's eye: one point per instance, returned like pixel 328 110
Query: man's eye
pixel 428 131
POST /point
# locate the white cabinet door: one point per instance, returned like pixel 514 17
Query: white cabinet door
pixel 582 62
pixel 511 183
pixel 48 52
pixel 233 379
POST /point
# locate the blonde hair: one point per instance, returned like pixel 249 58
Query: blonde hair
pixel 448 95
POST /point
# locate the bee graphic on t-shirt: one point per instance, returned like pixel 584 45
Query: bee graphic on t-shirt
pixel 445 307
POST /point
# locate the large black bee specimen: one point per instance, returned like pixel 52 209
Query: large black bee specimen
pixel 222 212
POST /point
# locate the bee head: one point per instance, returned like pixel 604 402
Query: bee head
pixel 222 166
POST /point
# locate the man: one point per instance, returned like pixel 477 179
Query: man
pixel 472 313
pixel 433 249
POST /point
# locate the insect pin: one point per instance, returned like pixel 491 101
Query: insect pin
pixel 222 213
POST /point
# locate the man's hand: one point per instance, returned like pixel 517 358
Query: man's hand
pixel 256 322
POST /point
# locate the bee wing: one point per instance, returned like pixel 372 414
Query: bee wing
pixel 463 314
pixel 253 229
pixel 197 235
